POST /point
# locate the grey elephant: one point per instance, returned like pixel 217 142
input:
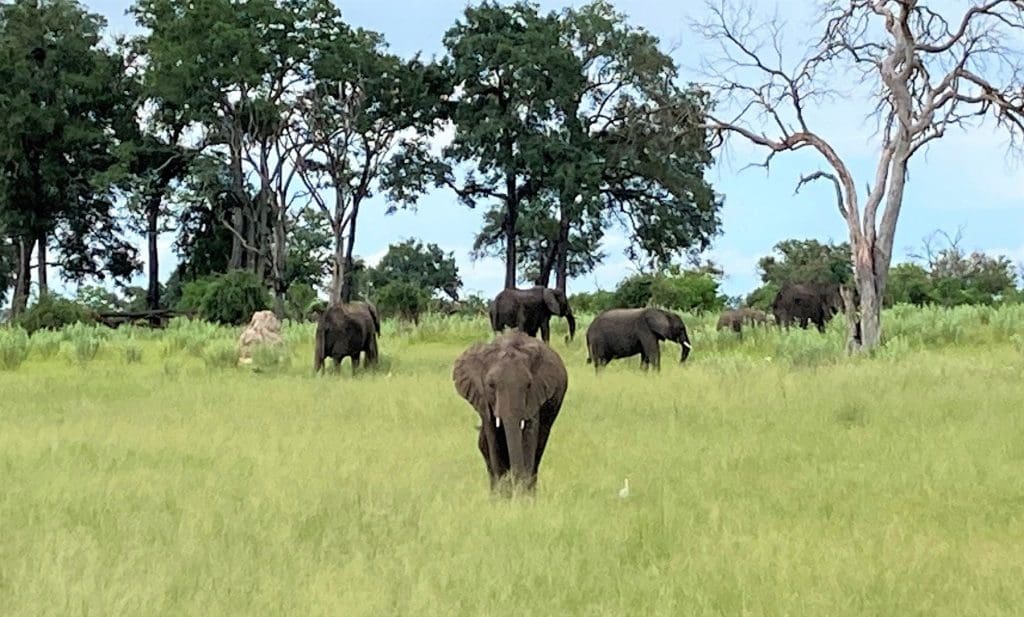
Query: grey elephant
pixel 530 310
pixel 347 330
pixel 517 384
pixel 804 303
pixel 735 319
pixel 621 333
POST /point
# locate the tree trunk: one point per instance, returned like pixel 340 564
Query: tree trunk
pixel 23 280
pixel 338 267
pixel 44 283
pixel 547 264
pixel 152 235
pixel 347 283
pixel 562 253
pixel 511 220
pixel 279 258
pixel 238 252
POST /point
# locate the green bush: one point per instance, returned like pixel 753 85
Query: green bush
pixel 52 312
pixel 221 355
pixel 298 300
pixel 14 348
pixel 688 291
pixel 401 299
pixel 592 302
pixel 232 298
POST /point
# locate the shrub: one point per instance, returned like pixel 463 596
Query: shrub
pixel 403 300
pixel 232 298
pixel 85 347
pixel 592 302
pixel 14 348
pixel 220 355
pixel 46 343
pixel 688 291
pixel 298 299
pixel 52 312
pixel 270 359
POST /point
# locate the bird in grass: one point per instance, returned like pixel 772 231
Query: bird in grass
pixel 624 491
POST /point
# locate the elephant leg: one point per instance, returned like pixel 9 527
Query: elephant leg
pixel 545 331
pixel 547 420
pixel 371 351
pixel 482 443
pixel 650 354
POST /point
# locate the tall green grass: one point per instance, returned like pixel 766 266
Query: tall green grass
pixel 771 475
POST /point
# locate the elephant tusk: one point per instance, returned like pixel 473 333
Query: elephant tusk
pixel 497 422
pixel 522 424
pixel 687 345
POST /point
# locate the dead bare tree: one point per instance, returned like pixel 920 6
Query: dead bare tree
pixel 929 74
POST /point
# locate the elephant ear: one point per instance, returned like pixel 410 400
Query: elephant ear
pixel 551 301
pixel 374 316
pixel 549 375
pixel 468 375
pixel 658 321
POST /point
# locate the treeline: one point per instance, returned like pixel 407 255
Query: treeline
pixel 257 133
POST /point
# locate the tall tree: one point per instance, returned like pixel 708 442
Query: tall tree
pixel 620 145
pixel 930 72
pixel 63 98
pixel 240 89
pixel 369 113
pixel 424 266
pixel 513 75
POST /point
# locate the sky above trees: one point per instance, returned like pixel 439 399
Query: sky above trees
pixel 964 180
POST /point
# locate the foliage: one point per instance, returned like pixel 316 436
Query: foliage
pixel 52 312
pixel 592 302
pixel 401 299
pixel 762 297
pixel 65 101
pixel 424 267
pixel 807 261
pixel 572 124
pixel 908 283
pixel 14 348
pixel 679 290
pixel 232 298
pixel 299 298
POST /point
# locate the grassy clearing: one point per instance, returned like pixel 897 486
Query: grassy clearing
pixel 148 477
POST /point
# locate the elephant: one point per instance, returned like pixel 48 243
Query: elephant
pixel 517 384
pixel 347 330
pixel 735 318
pixel 806 302
pixel 530 310
pixel 624 332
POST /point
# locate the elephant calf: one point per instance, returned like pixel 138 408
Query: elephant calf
pixel 734 319
pixel 620 333
pixel 516 383
pixel 347 330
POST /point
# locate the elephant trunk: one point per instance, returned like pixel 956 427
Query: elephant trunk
pixel 571 320
pixel 684 344
pixel 520 439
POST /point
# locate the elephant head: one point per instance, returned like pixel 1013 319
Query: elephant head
pixel 666 325
pixel 508 381
pixel 556 302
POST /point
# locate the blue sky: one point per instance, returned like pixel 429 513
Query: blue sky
pixel 965 179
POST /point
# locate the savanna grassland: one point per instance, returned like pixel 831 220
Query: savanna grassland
pixel 142 474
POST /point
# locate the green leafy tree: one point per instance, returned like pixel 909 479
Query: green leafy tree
pixel 368 118
pixel 65 100
pixel 242 87
pixel 623 147
pixel 514 74
pixel 807 261
pixel 425 267
pixel 909 283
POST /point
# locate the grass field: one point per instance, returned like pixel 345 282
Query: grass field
pixel 141 475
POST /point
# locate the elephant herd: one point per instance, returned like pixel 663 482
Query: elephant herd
pixel 517 383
